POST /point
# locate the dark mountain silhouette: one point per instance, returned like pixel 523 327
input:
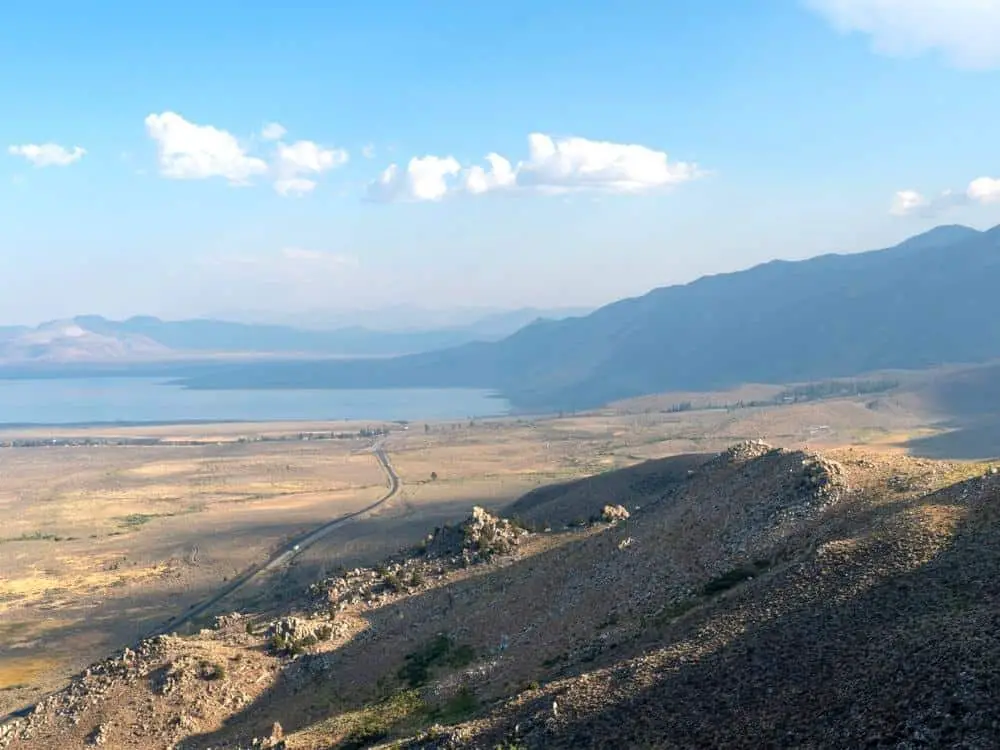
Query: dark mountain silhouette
pixel 929 300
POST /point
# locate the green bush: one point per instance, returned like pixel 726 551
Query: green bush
pixel 441 651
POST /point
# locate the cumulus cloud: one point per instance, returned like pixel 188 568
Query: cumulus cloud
pixel 196 152
pixel 554 165
pixel 273 131
pixel 188 151
pixel 906 202
pixel 911 202
pixel 984 190
pixel 48 154
pixel 368 151
pixel 966 32
pixel 303 158
pixel 499 176
pixel 424 179
pixel 579 163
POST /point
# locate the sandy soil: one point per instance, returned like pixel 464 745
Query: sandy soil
pixel 100 545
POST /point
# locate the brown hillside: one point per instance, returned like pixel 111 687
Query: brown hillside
pixel 557 505
pixel 769 599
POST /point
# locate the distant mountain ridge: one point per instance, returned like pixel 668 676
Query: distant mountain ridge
pixel 932 299
pixel 406 318
pixel 66 341
pixel 93 338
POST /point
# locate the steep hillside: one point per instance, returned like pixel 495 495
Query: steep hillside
pixel 769 599
pixel 581 500
pixel 927 301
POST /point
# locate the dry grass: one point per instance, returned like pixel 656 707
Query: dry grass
pixel 118 539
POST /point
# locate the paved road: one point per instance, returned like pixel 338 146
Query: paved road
pixel 284 555
pixel 290 550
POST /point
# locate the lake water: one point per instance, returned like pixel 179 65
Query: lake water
pixel 96 400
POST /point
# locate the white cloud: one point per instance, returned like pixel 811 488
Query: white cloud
pixel 966 32
pixel 500 175
pixel 424 179
pixel 306 156
pixel 553 166
pixel 48 154
pixel 303 158
pixel 911 202
pixel 984 190
pixel 368 151
pixel 294 186
pixel 196 152
pixel 906 202
pixel 578 163
pixel 273 131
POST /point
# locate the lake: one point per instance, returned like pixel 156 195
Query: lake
pixel 97 400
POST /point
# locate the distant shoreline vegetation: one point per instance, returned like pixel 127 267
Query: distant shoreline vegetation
pixel 823 390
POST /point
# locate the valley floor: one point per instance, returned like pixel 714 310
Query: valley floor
pixel 105 544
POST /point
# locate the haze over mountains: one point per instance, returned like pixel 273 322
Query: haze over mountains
pixel 928 301
pixel 404 318
pixel 932 299
pixel 94 339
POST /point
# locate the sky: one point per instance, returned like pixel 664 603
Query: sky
pixel 188 158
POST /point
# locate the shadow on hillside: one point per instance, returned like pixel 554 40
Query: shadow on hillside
pixel 969 440
pixel 98 626
pixel 579 499
pixel 913 661
pixel 816 675
pixel 303 697
pixel 91 632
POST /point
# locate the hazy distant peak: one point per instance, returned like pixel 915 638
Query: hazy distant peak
pixel 948 234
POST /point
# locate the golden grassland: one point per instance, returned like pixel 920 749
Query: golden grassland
pixel 100 545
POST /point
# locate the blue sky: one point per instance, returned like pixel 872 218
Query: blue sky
pixel 640 144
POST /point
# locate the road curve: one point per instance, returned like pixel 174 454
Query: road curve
pixel 291 549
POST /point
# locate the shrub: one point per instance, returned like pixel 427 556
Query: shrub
pixel 734 577
pixel 324 633
pixel 212 670
pixel 439 652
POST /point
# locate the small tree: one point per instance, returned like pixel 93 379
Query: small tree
pixel 434 476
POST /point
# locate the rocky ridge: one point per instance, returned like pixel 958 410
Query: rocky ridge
pixel 772 598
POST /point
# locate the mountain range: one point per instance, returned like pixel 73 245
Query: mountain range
pixel 930 300
pixel 95 339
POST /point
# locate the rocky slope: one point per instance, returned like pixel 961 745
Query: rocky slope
pixel 769 599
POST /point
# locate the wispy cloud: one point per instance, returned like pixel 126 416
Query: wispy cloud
pixel 966 32
pixel 48 154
